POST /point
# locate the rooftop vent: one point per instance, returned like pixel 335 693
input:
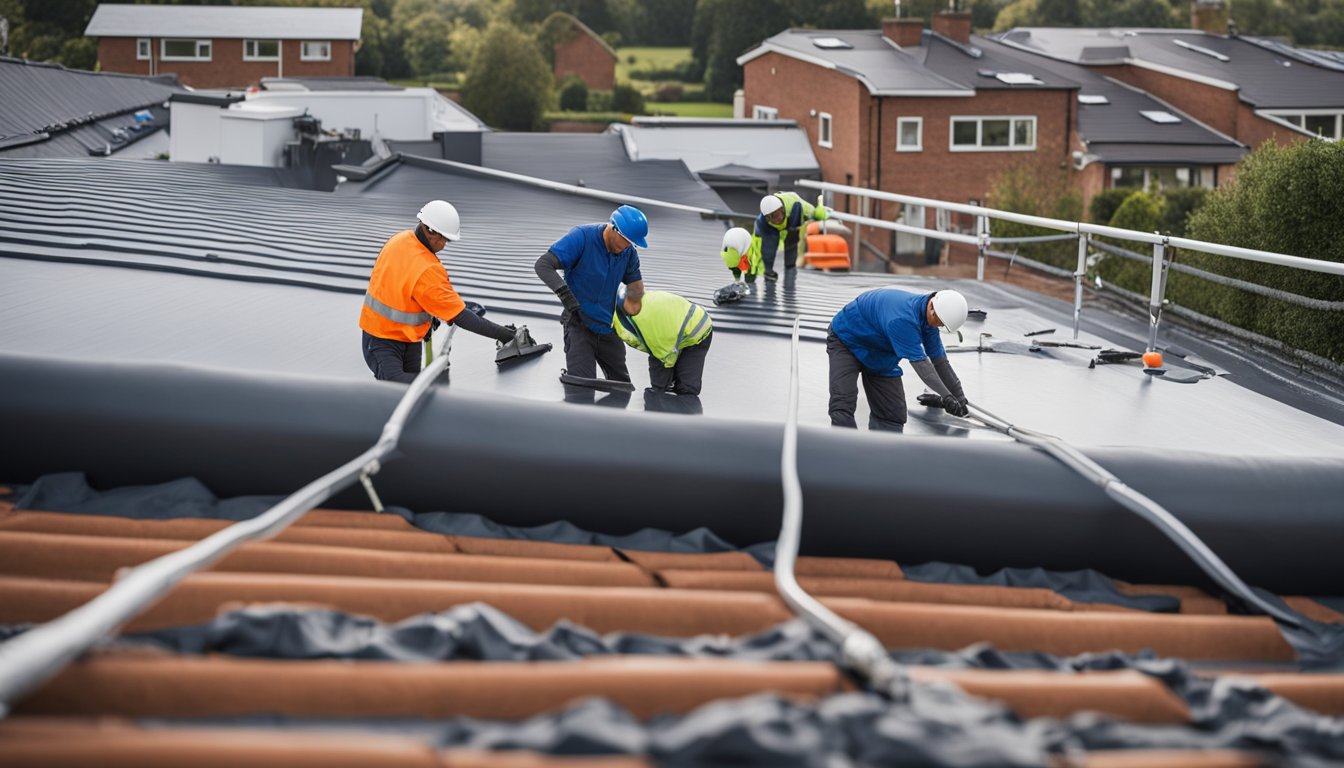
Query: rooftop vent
pixel 1201 49
pixel 1018 78
pixel 830 42
pixel 1092 98
pixel 1160 116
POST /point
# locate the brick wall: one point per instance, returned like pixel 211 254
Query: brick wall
pixel 586 58
pixel 226 68
pixel 1215 107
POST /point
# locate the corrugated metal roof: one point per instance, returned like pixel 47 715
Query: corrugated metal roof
pixel 78 110
pixel 767 145
pixel 868 57
pixel 225 21
pixel 1267 77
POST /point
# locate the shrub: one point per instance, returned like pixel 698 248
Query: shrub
pixel 600 101
pixel 573 95
pixel 1181 203
pixel 667 92
pixel 1037 191
pixel 508 85
pixel 1141 212
pixel 625 98
pixel 1106 203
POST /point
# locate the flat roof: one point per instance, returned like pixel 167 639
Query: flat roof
pixel 216 21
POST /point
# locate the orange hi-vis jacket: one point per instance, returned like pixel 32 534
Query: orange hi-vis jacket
pixel 407 287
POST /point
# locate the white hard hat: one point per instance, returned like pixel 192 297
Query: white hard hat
pixel 770 204
pixel 441 216
pixel 738 239
pixel 951 309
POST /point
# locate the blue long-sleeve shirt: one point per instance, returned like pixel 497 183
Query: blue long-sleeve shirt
pixel 884 326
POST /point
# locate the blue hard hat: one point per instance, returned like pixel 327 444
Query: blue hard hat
pixel 629 221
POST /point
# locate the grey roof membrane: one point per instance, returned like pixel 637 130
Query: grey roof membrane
pixel 978 65
pixel 1117 131
pixel 78 110
pixel 869 57
pixel 768 145
pixel 111 20
pixel 1268 77
pixel 293 264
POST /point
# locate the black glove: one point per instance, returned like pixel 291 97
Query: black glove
pixel 930 400
pixel 955 407
pixel 570 303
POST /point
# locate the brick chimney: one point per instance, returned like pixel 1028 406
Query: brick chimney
pixel 954 25
pixel 906 33
pixel 1209 16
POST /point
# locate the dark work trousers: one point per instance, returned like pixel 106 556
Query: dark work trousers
pixel 392 360
pixel 585 350
pixel 788 243
pixel 686 376
pixel 886 394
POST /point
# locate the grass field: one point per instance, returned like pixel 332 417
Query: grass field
pixel 648 58
pixel 690 108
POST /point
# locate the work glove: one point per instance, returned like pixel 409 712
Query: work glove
pixel 955 407
pixel 571 305
pixel 820 212
pixel 930 400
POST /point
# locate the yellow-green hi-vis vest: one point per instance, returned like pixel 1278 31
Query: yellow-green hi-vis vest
pixel 665 325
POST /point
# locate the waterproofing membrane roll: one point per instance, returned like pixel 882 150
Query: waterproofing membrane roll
pixel 1273 520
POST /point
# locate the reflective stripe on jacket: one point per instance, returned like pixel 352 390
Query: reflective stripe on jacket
pixel 665 325
pixel 408 286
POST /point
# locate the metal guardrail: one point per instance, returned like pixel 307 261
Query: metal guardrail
pixel 1083 231
pixel 33 657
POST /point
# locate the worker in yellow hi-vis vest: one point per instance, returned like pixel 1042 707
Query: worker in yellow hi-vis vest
pixel 675 333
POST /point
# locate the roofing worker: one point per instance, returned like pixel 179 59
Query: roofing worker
pixel 675 333
pixel 873 333
pixel 742 255
pixel 596 259
pixel 784 215
pixel 408 288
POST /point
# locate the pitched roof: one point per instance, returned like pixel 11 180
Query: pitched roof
pixel 866 56
pixel 213 21
pixel 1265 76
pixel 51 111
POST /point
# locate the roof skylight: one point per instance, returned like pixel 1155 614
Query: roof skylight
pixel 830 42
pixel 1019 78
pixel 1201 49
pixel 1159 116
pixel 1092 98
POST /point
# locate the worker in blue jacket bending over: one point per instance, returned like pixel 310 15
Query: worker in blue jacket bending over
pixel 675 332
pixel 783 218
pixel 596 259
pixel 872 334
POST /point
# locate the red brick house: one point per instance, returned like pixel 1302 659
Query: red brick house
pixel 584 54
pixel 226 46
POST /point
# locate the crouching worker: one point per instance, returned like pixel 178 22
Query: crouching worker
pixel 742 255
pixel 872 334
pixel 675 333
pixel 408 288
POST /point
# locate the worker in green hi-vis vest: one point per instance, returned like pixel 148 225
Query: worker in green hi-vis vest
pixel 675 333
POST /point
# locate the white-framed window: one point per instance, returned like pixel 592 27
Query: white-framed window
pixel 142 48
pixel 1164 176
pixel 759 112
pixel 1328 124
pixel 909 134
pixel 315 50
pixel 824 129
pixel 184 50
pixel 993 134
pixel 261 50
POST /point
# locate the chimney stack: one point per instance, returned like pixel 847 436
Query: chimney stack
pixel 907 33
pixel 1209 16
pixel 954 25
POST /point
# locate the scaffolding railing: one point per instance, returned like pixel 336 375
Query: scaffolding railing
pixel 1162 245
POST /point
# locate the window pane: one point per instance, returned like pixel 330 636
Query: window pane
pixel 203 50
pixel 994 133
pixel 963 133
pixel 1294 119
pixel 1128 178
pixel 825 129
pixel 184 48
pixel 1321 125
pixel 909 134
pixel 1024 134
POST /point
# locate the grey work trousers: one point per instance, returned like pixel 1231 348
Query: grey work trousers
pixel 886 394
pixel 684 378
pixel 585 351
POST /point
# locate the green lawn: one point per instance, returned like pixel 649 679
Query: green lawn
pixel 648 58
pixel 690 108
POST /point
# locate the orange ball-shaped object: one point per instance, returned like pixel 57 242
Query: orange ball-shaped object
pixel 1152 359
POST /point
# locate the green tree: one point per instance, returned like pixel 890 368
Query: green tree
pixel 508 84
pixel 1019 13
pixel 1037 190
pixel 833 14
pixel 427 44
pixel 1058 13
pixel 1141 212
pixel 79 53
pixel 666 22
pixel 1131 13
pixel 1285 200
pixel 730 27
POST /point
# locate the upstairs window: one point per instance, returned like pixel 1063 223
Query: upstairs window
pixel 910 134
pixel 824 129
pixel 261 50
pixel 764 113
pixel 142 48
pixel 185 50
pixel 993 134
pixel 315 50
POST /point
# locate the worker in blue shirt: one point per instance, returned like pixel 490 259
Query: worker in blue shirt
pixel 596 259
pixel 872 334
